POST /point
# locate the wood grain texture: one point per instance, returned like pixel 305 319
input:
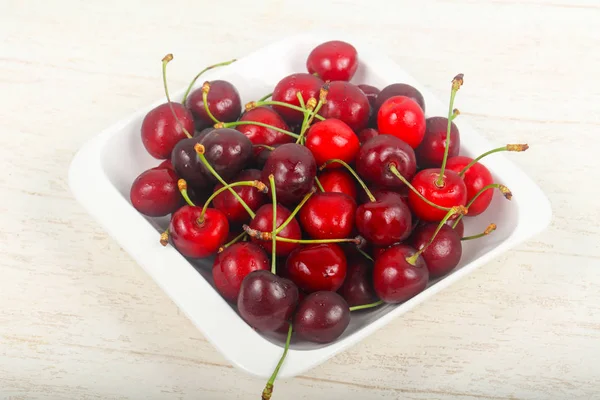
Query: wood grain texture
pixel 80 320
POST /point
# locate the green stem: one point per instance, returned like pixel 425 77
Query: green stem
pixel 397 173
pixel 205 90
pixel 165 61
pixel 236 123
pixel 273 241
pixel 508 147
pixel 189 89
pixel 294 212
pixel 491 228
pixel 268 391
pixel 235 240
pixel 318 182
pixel 266 96
pixel 456 84
pixel 264 146
pixel 364 306
pixel 364 253
pixel 505 191
pixel 182 185
pixel 256 184
pixel 316 241
pixel 351 170
pixel 282 104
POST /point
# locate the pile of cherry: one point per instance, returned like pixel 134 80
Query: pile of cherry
pixel 320 199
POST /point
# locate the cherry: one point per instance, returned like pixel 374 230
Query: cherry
pixel 224 104
pixel 165 164
pixel 285 91
pixel 444 253
pixel 453 192
pixel 322 317
pixel 315 267
pixel 332 138
pixel 328 215
pixel 263 221
pixel 187 164
pixel 154 192
pixel 402 117
pixel 475 179
pixel 233 264
pixel 459 228
pixel 346 102
pixel 266 301
pixel 399 89
pixel 377 153
pixel 338 180
pixel 261 134
pixel 227 151
pixel 430 152
pixel 203 132
pixel 161 132
pixel 366 134
pixel 371 92
pixel 252 196
pixel 395 279
pixel 333 61
pixel 357 288
pixel 385 220
pixel 294 169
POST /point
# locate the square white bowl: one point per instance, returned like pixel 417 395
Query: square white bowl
pixel 102 171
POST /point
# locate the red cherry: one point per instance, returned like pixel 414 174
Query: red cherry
pixel 231 207
pixel 385 221
pixel 475 178
pixel 357 288
pixel 332 138
pixel 322 317
pixel 285 91
pixel 338 180
pixel 399 89
pixel 443 254
pixel 430 152
pixel 224 104
pixel 452 193
pixel 161 132
pixel 333 61
pixel 328 215
pixel 402 117
pixel 263 221
pixel 315 267
pixel 154 192
pixel 366 134
pixel 348 103
pixel 233 264
pixel 460 227
pixel 260 134
pixel 194 238
pixel 371 92
pixel 165 164
pixel 396 280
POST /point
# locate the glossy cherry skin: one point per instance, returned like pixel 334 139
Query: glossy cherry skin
pixel 263 221
pixel 187 164
pixel 315 267
pixel 430 152
pixel 338 180
pixel 332 139
pixel 399 89
pixel 366 134
pixel 233 264
pixel 476 178
pixel 322 317
pixel 261 135
pixel 161 131
pixel 196 239
pixel 267 301
pixel 154 192
pixel 203 132
pixel 394 279
pixel 371 92
pixel 333 61
pixel 402 117
pixel 294 168
pixel 385 221
pixel 223 102
pixel 374 157
pixel 346 102
pixel 165 164
pixel 228 151
pixel 444 253
pixel 453 193
pixel 328 215
pixel 460 227
pixel 357 288
pixel 231 207
pixel 285 91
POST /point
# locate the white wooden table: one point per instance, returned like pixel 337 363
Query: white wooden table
pixel 80 320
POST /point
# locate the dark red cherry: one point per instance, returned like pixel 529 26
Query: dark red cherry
pixel 333 61
pixel 385 221
pixel 476 178
pixel 396 280
pixel 366 134
pixel 315 267
pixel 203 132
pixel 460 227
pixel 430 152
pixel 371 92
pixel 375 155
pixel 195 238
pixel 346 102
pixel 285 91
pixel 266 301
pixel 328 215
pixel 154 192
pixel 332 139
pixel 294 169
pixel 233 264
pixel 231 207
pixel 399 89
pixel 187 164
pixel 357 288
pixel 161 132
pixel 402 117
pixel 228 151
pixel 261 135
pixel 322 317
pixel 452 193
pixel 444 253
pixel 224 104
pixel 338 180
pixel 263 221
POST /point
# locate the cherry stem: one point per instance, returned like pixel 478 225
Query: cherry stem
pixel 397 173
pixel 236 123
pixel 490 228
pixel 461 210
pixel 365 254
pixel 264 146
pixel 308 107
pixel 503 189
pixel 268 391
pixel 364 306
pixel 265 97
pixel 301 101
pixel 260 235
pixel 318 182
pixel 257 184
pixel 322 100
pixel 164 237
pixel 233 241
pixel 456 84
pixel 253 104
pixel 165 61
pixel 200 151
pixel 455 113
pixel 295 211
pixel 508 147
pixel 351 170
pixel 189 89
pixel 273 232
pixel 205 90
pixel 182 186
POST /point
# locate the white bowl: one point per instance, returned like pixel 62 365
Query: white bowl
pixel 103 170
